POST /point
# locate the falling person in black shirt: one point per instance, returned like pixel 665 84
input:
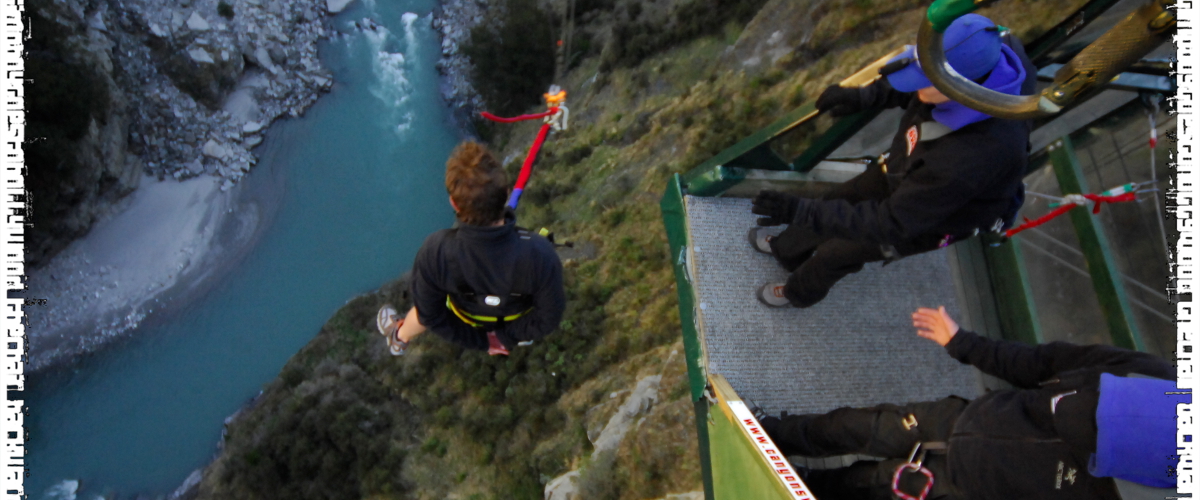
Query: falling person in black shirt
pixel 485 284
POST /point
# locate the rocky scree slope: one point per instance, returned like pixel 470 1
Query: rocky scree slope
pixel 170 88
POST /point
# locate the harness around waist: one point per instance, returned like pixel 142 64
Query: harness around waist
pixel 481 321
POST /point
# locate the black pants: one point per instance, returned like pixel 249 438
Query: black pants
pixel 886 431
pixel 818 262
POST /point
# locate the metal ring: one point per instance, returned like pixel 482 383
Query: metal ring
pixel 970 94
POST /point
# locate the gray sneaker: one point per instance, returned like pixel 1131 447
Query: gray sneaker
pixel 771 295
pixel 388 322
pixel 760 239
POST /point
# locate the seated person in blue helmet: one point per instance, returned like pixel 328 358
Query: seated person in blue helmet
pixel 949 173
pixel 1095 422
pixel 486 284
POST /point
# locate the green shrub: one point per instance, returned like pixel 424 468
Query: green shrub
pixel 596 480
pixel 584 6
pixel 513 56
pixel 633 10
pixel 581 47
pixel 638 38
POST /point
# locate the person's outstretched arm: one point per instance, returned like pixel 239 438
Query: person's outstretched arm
pixel 1024 365
pixel 842 101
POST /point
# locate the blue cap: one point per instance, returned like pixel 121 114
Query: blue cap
pixel 972 45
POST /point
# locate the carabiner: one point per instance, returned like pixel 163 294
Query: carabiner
pixel 916 468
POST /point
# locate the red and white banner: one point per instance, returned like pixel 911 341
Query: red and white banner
pixel 779 463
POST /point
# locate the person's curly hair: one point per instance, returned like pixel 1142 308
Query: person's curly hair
pixel 477 184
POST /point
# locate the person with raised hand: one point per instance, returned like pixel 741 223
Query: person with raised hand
pixel 1094 422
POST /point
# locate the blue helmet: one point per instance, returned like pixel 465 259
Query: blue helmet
pixel 972 45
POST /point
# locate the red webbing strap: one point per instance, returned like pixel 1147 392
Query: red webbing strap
pixel 527 168
pixel 1030 224
pixel 1099 199
pixel 1131 196
pixel 516 119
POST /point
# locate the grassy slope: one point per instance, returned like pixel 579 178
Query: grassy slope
pixel 344 420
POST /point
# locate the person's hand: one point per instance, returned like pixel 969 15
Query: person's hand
pixel 840 101
pixel 779 208
pixel 935 324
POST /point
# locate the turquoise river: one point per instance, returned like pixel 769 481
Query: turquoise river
pixel 358 182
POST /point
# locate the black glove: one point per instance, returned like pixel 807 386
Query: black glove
pixel 779 208
pixel 840 101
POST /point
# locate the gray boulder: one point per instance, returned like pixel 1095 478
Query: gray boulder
pixel 278 56
pixel 335 6
pixel 198 23
pixel 195 71
pixel 213 149
pixel 200 55
pixel 263 58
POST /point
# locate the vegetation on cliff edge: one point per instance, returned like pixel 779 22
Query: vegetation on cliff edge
pixel 345 420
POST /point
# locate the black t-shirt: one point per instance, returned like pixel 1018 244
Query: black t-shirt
pixel 496 261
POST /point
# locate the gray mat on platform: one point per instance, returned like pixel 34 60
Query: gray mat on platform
pixel 855 348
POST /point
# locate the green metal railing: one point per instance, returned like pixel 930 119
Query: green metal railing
pixel 999 299
pixel 1099 257
pixel 1013 294
pixel 1009 296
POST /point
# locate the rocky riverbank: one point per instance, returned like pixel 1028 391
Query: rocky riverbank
pixel 454 20
pixel 151 89
pixel 206 85
pixel 170 88
pixel 190 87
pixel 203 79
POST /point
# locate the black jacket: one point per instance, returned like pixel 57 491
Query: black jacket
pixel 1008 444
pixel 950 185
pixel 488 260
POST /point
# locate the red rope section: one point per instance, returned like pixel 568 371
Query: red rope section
pixel 516 119
pixel 527 168
pixel 1131 196
pixel 1030 224
pixel 1099 199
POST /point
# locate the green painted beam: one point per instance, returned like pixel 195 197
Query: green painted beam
pixel 700 409
pixel 1096 252
pixel 713 180
pixel 840 132
pixel 761 157
pixel 1014 297
pixel 675 219
pixel 754 141
pixel 979 301
pixel 729 167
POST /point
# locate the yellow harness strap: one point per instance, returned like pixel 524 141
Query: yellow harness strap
pixel 475 320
